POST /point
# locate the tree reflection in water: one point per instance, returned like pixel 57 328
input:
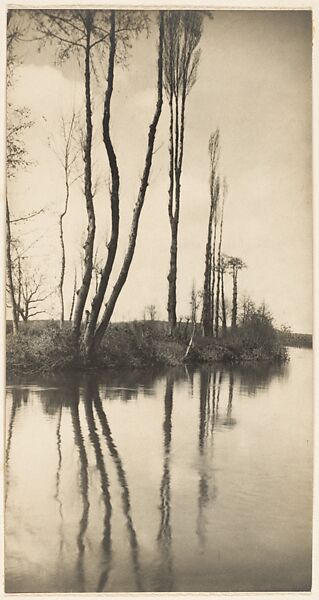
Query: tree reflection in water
pixel 83 485
pixel 105 484
pixel 58 483
pixel 126 502
pixel 164 537
pixel 60 401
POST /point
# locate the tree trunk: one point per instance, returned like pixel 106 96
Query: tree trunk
pixel 82 293
pixel 109 308
pixel 10 274
pixel 234 309
pixel 176 158
pixel 218 270
pixel 73 297
pixel 63 253
pixel 213 274
pixel 224 320
pixel 172 276
pixel 112 245
pixel 207 294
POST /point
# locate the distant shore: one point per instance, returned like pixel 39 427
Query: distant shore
pixel 44 346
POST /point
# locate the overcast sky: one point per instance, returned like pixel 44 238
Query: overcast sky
pixel 254 83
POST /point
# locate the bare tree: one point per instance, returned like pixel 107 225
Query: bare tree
pixel 181 57
pixel 32 296
pixel 223 268
pixel 18 121
pixel 214 152
pixel 67 159
pixel 150 310
pixel 93 341
pixel 73 296
pixel 218 266
pixel 88 33
pixel 28 284
pixel 235 264
pixel 196 298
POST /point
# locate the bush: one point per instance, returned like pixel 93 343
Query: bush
pixel 41 349
pixel 257 339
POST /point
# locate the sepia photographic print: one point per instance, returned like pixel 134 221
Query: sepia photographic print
pixel 159 407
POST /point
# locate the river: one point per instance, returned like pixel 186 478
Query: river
pixel 179 480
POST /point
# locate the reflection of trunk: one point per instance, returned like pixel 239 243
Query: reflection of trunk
pixel 16 400
pixel 230 394
pixel 84 487
pixel 164 537
pixel 89 243
pixel 58 481
pixel 15 316
pixel 106 541
pixel 204 420
pixel 204 407
pixel 213 419
pixel 126 503
pixel 220 381
pixel 112 245
pixel 138 206
pixel 229 421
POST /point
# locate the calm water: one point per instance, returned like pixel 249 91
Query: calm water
pixel 176 481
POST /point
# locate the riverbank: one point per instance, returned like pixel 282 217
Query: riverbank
pixel 139 344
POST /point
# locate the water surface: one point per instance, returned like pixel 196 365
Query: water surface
pixel 183 480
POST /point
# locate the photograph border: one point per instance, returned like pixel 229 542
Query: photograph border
pixel 312 5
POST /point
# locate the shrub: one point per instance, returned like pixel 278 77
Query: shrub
pixel 41 349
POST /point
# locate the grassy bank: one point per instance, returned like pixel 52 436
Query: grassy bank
pixel 139 344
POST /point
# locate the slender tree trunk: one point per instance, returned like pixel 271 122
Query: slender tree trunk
pixel 18 303
pixel 224 320
pixel 82 293
pixel 138 206
pixel 177 153
pixel 10 274
pixel 219 272
pixel 213 273
pixel 172 276
pixel 234 308
pixel 171 303
pixel 73 297
pixel 112 245
pixel 207 295
pixel 62 215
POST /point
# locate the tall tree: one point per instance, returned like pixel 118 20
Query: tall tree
pixel 92 339
pixel 86 33
pixel 214 152
pixel 183 31
pixel 223 268
pixel 18 121
pixel 67 159
pixel 235 265
pixel 214 266
pixel 218 267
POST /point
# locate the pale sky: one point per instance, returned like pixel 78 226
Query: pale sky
pixel 254 83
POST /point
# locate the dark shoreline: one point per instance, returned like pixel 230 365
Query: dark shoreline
pixel 140 345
